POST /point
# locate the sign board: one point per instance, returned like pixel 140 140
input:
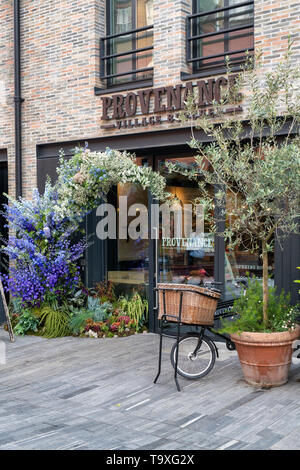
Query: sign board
pixel 153 106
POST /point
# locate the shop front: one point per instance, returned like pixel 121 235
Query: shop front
pixel 137 264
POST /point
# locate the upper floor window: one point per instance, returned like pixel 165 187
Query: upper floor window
pixel 126 51
pixel 219 28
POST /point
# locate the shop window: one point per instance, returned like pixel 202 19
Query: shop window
pixel 219 28
pixel 242 263
pixel 126 51
pixel 128 258
pixel 189 259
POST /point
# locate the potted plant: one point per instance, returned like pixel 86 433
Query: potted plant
pixel 257 170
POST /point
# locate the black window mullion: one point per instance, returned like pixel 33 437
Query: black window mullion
pixel 219 265
pixel 110 57
pixel 226 26
pixel 134 36
pixel 195 41
pixel 108 44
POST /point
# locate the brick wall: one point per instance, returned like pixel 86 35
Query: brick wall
pixel 169 55
pixel 275 20
pixel 60 66
pixel 7 84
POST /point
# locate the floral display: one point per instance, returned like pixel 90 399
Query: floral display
pixel 43 255
pixel 43 251
pixel 86 178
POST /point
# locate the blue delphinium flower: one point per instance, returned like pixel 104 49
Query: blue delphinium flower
pixel 44 257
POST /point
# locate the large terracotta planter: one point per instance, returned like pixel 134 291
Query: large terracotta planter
pixel 266 357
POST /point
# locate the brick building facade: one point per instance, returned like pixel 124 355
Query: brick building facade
pixel 60 72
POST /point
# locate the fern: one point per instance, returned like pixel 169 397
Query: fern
pixel 55 322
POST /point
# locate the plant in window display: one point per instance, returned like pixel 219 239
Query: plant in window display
pixel 260 171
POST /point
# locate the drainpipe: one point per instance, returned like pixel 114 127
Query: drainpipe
pixel 17 99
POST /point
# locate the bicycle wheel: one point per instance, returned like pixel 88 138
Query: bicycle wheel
pixel 193 363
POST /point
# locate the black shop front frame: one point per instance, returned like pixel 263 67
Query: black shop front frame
pixel 138 266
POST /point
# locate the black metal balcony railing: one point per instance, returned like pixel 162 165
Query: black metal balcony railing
pixel 108 60
pixel 194 39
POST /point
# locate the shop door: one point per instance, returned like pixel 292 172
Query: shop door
pixel 191 257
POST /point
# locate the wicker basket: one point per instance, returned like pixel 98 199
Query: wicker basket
pixel 198 304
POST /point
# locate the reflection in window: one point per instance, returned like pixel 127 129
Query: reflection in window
pixel 241 263
pixel 189 259
pixel 128 259
pixel 125 16
pixel 236 23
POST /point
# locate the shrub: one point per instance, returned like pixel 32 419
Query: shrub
pixel 25 323
pixel 95 311
pixel 249 309
pixel 54 321
pixel 105 291
pixel 136 308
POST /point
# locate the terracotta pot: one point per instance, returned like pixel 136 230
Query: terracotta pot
pixel 266 357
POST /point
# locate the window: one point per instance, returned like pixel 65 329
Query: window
pixel 126 51
pixel 241 263
pixel 219 28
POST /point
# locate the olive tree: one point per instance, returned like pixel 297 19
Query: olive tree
pixel 249 160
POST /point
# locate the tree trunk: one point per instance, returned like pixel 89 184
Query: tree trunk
pixel 265 284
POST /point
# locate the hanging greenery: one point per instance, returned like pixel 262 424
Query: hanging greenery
pixel 86 178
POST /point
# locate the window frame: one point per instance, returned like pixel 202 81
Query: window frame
pixel 192 39
pixel 107 73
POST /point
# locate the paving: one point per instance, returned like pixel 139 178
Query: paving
pixel 77 393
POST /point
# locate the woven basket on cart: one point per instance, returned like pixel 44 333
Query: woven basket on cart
pixel 198 306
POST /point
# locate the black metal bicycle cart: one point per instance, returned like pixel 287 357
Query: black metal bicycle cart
pixel 193 354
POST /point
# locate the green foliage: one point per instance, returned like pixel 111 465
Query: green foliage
pixel 79 299
pixel 136 308
pixel 86 178
pixel 105 291
pixel 99 312
pixel 78 319
pixel 15 306
pixel 124 317
pixel 249 310
pixel 27 322
pixel 94 311
pixel 258 175
pixel 54 322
